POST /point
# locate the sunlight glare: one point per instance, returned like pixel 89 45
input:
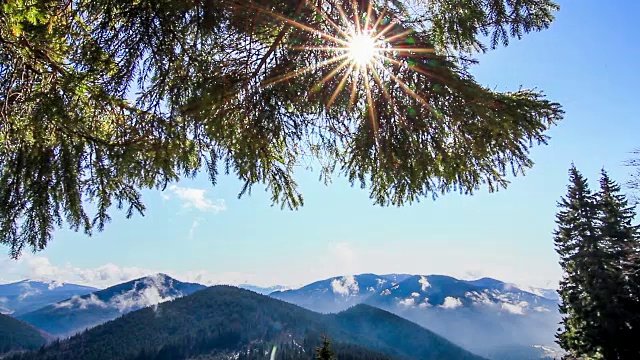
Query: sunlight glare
pixel 362 53
pixel 362 49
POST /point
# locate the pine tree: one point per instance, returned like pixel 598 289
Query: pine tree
pixel 622 241
pixel 325 352
pixel 581 257
pixel 102 99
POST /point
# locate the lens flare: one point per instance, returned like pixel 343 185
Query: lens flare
pixel 362 49
pixel 273 352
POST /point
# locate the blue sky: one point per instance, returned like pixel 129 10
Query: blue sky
pixel 587 61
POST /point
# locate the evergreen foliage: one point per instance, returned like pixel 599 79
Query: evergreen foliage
pixel 622 240
pixel 598 247
pixel 101 99
pixel 325 352
pixel 70 316
pixel 17 335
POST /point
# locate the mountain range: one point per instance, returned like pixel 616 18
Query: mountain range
pixel 78 313
pixel 224 322
pixel 263 290
pixel 489 317
pixel 28 295
pixel 486 316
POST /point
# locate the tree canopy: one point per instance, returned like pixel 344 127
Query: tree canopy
pixel 100 99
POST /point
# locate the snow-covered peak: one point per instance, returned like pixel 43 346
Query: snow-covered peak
pixel 433 292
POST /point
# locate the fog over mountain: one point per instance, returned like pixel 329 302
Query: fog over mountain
pixel 486 315
pixel 224 322
pixel 27 295
pixel 80 312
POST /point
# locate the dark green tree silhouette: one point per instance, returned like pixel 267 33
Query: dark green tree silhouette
pixel 598 247
pixel 621 238
pixel 577 243
pixel 325 352
pixel 102 99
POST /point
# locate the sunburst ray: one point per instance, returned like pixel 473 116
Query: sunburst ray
pixel 362 48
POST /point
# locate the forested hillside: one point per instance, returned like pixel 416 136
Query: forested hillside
pixel 226 321
pixel 17 335
pixel 79 313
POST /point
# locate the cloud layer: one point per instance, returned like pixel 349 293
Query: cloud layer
pixel 196 199
pixel 339 258
pixel 40 268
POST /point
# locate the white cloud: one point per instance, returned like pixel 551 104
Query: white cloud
pixel 479 298
pixel 518 309
pixel 424 283
pixel 54 284
pixel 451 303
pixel 497 299
pixel 193 228
pixel 385 292
pixel 415 294
pixel 41 267
pixel 424 304
pixel 195 198
pixel 150 291
pixel 408 302
pixel 345 286
pixel 541 309
pixel 82 302
pixel 153 293
pixel 337 258
pixel 27 291
pixel 471 274
pixel 109 274
pixel 510 287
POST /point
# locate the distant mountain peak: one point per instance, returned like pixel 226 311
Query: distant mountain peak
pixel 158 277
pixel 80 312
pixel 462 310
pixel 30 294
pixel 230 321
pixel 264 290
pixel 135 294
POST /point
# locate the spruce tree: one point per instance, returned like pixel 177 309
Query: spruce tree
pixel 581 255
pixel 325 352
pixel 101 99
pixel 622 241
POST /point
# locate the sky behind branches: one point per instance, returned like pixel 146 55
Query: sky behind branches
pixel 588 61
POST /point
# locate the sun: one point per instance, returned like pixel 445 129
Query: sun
pixel 362 49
